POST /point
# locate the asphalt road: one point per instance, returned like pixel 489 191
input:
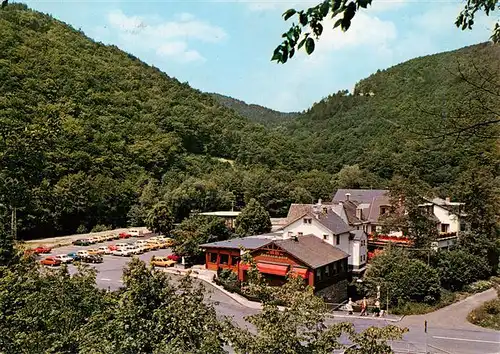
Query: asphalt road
pixel 442 337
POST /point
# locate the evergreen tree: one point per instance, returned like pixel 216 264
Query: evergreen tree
pixel 253 220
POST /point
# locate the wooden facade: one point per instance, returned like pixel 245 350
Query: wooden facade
pixel 275 264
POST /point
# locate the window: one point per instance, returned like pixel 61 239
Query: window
pixel 300 234
pixel 235 260
pixel 318 273
pixel 327 271
pixel 338 239
pixel 342 266
pixel 213 258
pixel 290 233
pixel 307 221
pixel 325 237
pixel 445 227
pixel 383 210
pixel 224 259
pixel 335 268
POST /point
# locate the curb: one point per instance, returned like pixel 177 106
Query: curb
pixel 385 319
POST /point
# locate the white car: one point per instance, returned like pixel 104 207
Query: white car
pixel 64 258
pixel 123 252
pixel 135 249
pixel 94 239
pixel 122 245
pixel 133 233
pixel 82 253
pixel 105 249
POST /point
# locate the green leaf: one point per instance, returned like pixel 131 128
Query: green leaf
pixel 303 19
pixel 292 52
pixel 346 23
pixel 309 45
pixel 337 23
pixel 318 29
pixel 302 42
pixel 289 13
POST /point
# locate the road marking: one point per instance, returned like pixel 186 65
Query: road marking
pixel 106 279
pixel 467 340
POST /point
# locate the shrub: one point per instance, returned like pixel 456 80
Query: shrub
pixel 405 279
pixel 479 286
pixel 486 315
pixel 81 229
pixel 99 228
pixel 459 268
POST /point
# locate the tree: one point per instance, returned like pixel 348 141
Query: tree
pixel 197 230
pixel 253 220
pixel 407 213
pixel 7 252
pixel 458 268
pixel 301 327
pixel 160 219
pixel 310 23
pixel 405 279
pixel 151 315
pixel 301 195
pixel 354 177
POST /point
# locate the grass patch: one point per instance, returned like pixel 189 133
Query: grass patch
pixel 487 315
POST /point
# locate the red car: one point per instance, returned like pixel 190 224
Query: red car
pixel 124 235
pixel 112 247
pixel 41 249
pixel 174 257
pixel 50 261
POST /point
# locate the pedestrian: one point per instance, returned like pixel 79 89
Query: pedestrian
pixel 363 307
pixel 349 307
pixel 376 310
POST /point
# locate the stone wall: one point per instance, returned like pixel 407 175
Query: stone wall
pixel 335 293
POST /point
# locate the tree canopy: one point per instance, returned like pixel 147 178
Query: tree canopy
pixel 310 22
pixel 253 220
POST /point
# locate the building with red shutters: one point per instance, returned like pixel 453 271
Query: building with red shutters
pixel 321 265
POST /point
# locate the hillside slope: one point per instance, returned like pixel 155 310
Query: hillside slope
pixel 390 124
pixel 83 126
pixel 254 112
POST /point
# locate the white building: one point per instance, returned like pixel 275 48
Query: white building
pixel 321 221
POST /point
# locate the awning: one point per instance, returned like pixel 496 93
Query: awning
pixel 301 272
pixel 272 269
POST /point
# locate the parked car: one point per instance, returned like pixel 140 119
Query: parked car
pixel 112 247
pixel 50 261
pixel 123 252
pixel 110 237
pixel 122 245
pixel 174 257
pixel 169 241
pixel 41 250
pixel 94 239
pixel 124 235
pixel 104 250
pixel 91 258
pixel 81 242
pixel 64 258
pixel 95 251
pixel 102 238
pixel 82 254
pixel 135 249
pixel 134 233
pixel 155 245
pixel 74 256
pixel 162 261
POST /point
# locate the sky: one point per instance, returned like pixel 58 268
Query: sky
pixel 226 46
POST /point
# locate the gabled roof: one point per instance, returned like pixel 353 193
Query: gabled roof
pixel 249 243
pixel 358 234
pixel 350 210
pixel 359 195
pixel 312 250
pixel 330 220
pixel 374 211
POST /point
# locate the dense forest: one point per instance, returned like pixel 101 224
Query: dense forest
pixel 254 112
pixel 90 135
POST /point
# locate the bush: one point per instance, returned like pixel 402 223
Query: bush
pixel 459 268
pixel 99 228
pixel 479 286
pixel 81 229
pixel 487 315
pixel 405 279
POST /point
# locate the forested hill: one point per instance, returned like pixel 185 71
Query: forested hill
pixel 91 136
pixel 412 117
pixel 84 126
pixel 254 112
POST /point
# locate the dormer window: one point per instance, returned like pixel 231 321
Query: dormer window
pixel 383 209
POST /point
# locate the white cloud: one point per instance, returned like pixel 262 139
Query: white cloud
pixel 282 5
pixel 179 51
pixel 165 38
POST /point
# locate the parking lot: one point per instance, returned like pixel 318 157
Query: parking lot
pixel 110 270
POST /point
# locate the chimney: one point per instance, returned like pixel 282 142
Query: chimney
pixel 448 200
pixel 319 201
pixel 347 196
